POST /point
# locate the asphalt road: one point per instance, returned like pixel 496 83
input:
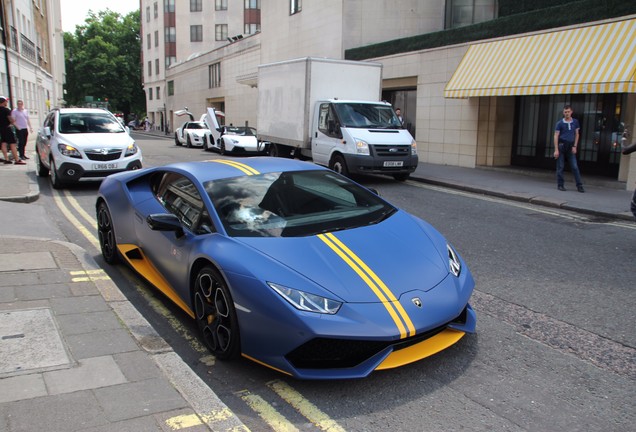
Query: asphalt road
pixel 555 343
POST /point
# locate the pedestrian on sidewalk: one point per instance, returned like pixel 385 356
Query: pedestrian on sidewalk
pixel 566 141
pixel 7 134
pixel 23 127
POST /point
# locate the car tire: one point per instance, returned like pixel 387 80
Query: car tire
pixel 40 169
pixel 176 139
pixel 222 147
pixel 106 234
pixel 188 142
pixel 277 150
pixel 215 314
pixel 339 165
pixel 55 176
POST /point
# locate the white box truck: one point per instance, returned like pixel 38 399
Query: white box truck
pixel 330 111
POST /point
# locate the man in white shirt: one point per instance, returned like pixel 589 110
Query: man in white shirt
pixel 23 127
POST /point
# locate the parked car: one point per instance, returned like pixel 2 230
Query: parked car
pixel 191 134
pixel 289 264
pixel 83 143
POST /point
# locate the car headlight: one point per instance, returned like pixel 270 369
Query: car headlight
pixel 305 301
pixel 413 148
pixel 362 147
pixel 132 149
pixel 69 151
pixel 454 265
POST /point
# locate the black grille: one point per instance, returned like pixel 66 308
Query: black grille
pixel 397 151
pixel 98 155
pixel 324 353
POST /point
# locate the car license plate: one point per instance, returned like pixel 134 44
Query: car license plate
pixel 104 166
pixel 393 163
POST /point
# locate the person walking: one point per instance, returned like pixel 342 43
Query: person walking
pixel 566 141
pixel 7 135
pixel 23 127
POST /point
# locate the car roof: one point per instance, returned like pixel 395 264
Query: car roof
pixel 216 169
pixel 83 110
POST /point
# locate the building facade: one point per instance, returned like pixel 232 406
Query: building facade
pixel 458 69
pixel 32 57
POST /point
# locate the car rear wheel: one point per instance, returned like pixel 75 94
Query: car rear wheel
pixel 55 177
pixel 106 234
pixel 40 169
pixel 216 315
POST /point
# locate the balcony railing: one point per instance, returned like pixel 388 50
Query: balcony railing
pixel 28 48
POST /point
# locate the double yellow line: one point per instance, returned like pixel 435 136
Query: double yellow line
pixel 379 288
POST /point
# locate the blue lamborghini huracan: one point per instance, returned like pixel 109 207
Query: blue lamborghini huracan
pixel 289 264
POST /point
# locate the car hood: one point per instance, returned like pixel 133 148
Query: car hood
pixel 397 253
pixel 242 139
pixel 98 140
pixel 381 136
pixel 198 132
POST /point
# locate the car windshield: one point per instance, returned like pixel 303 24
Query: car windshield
pixel 74 123
pixel 367 115
pixel 239 130
pixel 294 204
pixel 196 125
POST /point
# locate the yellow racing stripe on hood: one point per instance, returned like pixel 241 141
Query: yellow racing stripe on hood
pixel 238 165
pixel 379 288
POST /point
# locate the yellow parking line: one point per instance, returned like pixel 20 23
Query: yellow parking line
pixel 88 218
pixel 82 229
pixel 183 421
pixel 310 411
pixel 267 412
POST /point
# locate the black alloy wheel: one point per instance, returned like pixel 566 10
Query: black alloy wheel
pixel 339 165
pixel 106 234
pixel 215 314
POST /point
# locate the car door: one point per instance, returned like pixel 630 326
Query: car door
pixel 44 138
pixel 169 251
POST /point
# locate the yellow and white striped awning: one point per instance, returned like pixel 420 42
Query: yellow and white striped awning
pixel 594 59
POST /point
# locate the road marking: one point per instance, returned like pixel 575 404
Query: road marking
pixel 92 222
pixel 267 412
pixel 304 407
pixel 183 421
pixel 81 228
pixel 90 275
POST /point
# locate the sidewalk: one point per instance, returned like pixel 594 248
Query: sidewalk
pixel 76 355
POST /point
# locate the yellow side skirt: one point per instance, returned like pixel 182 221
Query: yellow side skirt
pixel 421 350
pixel 145 268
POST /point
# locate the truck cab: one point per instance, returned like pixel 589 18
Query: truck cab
pixel 361 137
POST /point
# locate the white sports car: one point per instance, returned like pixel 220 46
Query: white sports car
pixel 236 139
pixel 191 134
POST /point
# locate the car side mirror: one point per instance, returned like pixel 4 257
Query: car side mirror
pixel 47 132
pixel 165 222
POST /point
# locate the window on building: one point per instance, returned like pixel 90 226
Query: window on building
pixel 220 4
pixel 251 28
pixel 295 6
pixel 196 5
pixel 149 68
pixel 196 33
pixel 220 32
pixel 252 4
pixel 170 60
pixel 148 14
pixel 156 9
pixel 170 34
pixel 150 93
pixel 148 40
pixel 156 66
pixel 158 92
pixel 156 38
pixel 168 5
pixel 214 71
pixel 170 88
pixel 461 13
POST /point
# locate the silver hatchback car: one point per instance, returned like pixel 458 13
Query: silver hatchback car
pixel 83 143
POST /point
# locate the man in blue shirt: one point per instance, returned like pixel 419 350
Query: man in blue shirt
pixel 566 141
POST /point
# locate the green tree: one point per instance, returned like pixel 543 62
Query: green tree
pixel 103 61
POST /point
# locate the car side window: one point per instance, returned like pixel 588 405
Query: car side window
pixel 180 197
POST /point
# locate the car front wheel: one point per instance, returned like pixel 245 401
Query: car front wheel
pixel 106 234
pixel 40 169
pixel 55 177
pixel 216 315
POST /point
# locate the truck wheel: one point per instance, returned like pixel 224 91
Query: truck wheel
pixel 401 176
pixel 339 165
pixel 277 150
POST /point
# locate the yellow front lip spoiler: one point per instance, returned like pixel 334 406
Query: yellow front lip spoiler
pixel 424 349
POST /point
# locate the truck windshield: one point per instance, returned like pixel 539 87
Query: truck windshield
pixel 366 115
pixel 294 204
